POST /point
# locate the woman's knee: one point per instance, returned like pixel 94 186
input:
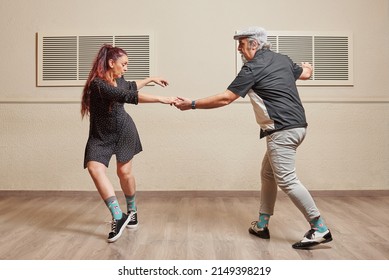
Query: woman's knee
pixel 124 171
pixel 95 168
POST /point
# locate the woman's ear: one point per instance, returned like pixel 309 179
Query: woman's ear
pixel 110 63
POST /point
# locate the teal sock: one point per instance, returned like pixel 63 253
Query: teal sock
pixel 113 206
pixel 131 205
pixel 318 224
pixel 263 220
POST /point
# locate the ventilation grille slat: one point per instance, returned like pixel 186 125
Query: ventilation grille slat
pixel 67 60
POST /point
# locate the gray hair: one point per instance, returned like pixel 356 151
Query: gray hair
pixel 261 44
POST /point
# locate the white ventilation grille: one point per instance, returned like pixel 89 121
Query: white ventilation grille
pixel 330 55
pixel 88 48
pixel 67 60
pixel 332 58
pixel 138 50
pixel 59 58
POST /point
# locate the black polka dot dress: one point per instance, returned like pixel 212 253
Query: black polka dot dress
pixel 112 130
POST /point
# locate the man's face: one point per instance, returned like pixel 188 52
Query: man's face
pixel 246 49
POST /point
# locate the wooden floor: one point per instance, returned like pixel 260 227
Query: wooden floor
pixel 185 227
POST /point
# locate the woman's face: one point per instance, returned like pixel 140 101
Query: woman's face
pixel 119 66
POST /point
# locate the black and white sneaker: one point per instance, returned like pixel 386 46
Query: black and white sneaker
pixel 117 227
pixel 260 232
pixel 133 219
pixel 313 238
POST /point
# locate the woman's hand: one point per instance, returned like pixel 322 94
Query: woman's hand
pixel 168 100
pixel 160 81
pixel 157 80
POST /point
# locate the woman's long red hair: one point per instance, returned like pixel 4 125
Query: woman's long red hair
pixel 99 70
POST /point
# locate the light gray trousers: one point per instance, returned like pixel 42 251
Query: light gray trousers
pixel 278 169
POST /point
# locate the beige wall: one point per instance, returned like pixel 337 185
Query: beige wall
pixel 42 137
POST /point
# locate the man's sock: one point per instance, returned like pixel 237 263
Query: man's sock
pixel 113 206
pixel 318 224
pixel 131 205
pixel 263 220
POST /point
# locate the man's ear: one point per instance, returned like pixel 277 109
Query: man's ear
pixel 254 45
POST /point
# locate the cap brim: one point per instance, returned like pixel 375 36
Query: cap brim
pixel 239 36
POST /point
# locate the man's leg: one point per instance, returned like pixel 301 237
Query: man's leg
pixel 282 148
pixel 268 199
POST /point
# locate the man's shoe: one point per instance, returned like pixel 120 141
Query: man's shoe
pixel 313 238
pixel 133 219
pixel 117 228
pixel 260 232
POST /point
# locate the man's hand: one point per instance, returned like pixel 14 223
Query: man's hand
pixel 183 103
pixel 307 71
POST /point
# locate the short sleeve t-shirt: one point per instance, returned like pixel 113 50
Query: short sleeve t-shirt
pixel 270 81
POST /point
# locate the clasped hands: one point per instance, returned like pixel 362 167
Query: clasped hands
pixel 181 103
